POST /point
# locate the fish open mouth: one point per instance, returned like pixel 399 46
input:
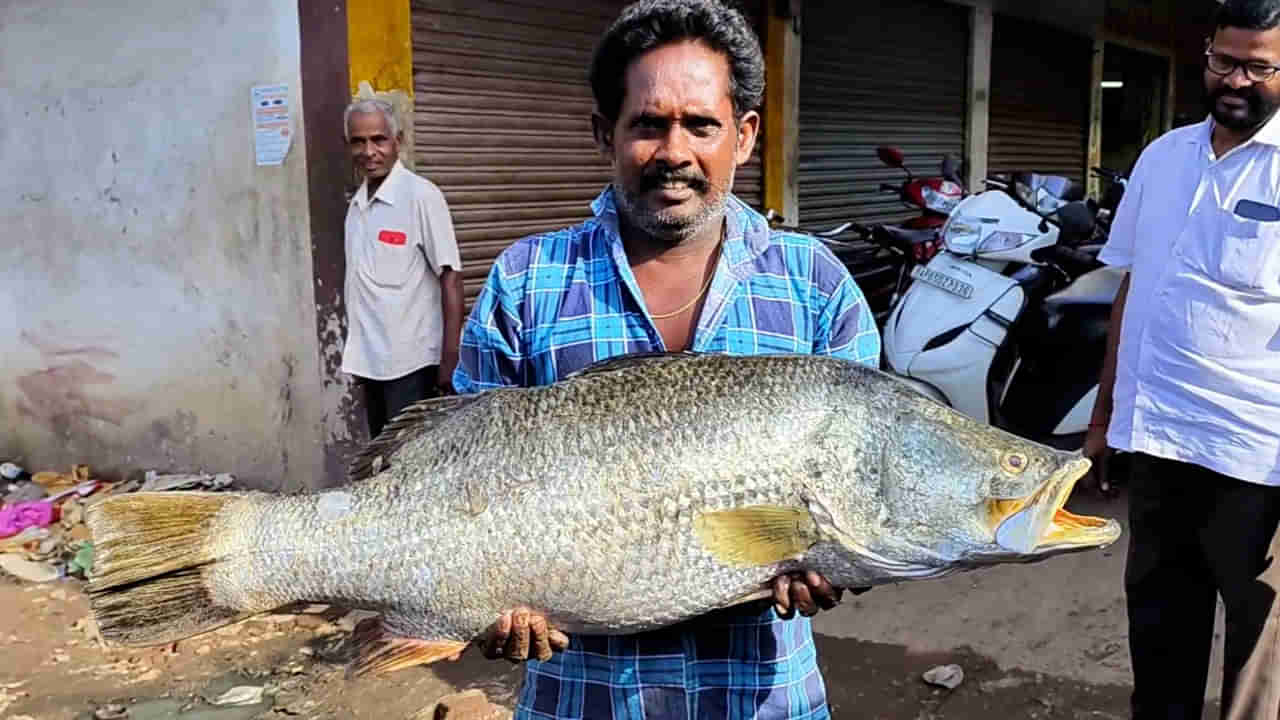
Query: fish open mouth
pixel 1040 524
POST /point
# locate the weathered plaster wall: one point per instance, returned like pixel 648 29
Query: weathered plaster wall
pixel 156 298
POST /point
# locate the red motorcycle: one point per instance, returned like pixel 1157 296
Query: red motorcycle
pixel 913 242
pixel 916 240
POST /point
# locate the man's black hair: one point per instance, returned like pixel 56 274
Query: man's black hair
pixel 649 24
pixel 1248 14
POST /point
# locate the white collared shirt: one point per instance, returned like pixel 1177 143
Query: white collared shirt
pixel 395 310
pixel 1198 370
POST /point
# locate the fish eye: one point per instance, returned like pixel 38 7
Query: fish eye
pixel 1013 463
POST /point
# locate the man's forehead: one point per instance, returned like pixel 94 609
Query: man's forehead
pixel 374 123
pixel 686 73
pixel 1245 44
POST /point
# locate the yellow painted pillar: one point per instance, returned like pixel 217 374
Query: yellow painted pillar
pixel 380 54
pixel 782 108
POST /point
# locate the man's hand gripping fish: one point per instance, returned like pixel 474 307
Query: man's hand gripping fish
pixel 633 495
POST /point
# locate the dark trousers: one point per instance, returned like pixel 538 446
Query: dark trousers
pixel 384 399
pixel 1195 534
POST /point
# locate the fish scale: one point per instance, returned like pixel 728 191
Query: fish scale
pixel 626 498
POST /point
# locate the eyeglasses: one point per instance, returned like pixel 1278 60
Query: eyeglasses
pixel 1223 65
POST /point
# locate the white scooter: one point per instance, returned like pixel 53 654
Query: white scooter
pixel 1009 323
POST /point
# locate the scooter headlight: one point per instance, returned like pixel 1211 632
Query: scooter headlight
pixel 962 234
pixel 940 202
pixel 1001 241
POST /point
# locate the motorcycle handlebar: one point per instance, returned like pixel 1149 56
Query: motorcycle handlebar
pixel 1079 259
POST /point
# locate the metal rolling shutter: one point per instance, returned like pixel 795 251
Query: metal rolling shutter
pixel 876 73
pixel 502 118
pixel 1039 99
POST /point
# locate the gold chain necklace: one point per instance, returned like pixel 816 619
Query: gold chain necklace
pixel 691 303
pixel 710 276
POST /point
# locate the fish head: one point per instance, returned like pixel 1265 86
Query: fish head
pixel 961 492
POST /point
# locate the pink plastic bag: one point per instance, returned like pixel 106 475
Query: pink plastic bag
pixel 20 516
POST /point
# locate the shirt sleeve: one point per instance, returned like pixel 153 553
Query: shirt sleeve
pixel 491 354
pixel 436 227
pixel 846 327
pixel 1119 250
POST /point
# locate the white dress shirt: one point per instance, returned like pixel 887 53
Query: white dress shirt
pixel 1198 370
pixel 397 245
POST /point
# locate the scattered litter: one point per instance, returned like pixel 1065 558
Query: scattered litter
pixel 156 482
pixel 1007 683
pixel 30 536
pixel 20 516
pixel 13 472
pixel 56 482
pixel 37 572
pixel 111 712
pixel 81 561
pixel 240 695
pixel 947 676
pixel 24 492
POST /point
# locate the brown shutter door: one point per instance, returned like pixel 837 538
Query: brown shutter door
pixel 503 118
pixel 1039 99
pixel 876 72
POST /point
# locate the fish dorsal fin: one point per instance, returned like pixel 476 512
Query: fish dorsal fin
pixel 414 421
pixel 756 535
pixel 622 362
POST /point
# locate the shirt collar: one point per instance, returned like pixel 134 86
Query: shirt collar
pixel 746 232
pixel 1269 134
pixel 386 191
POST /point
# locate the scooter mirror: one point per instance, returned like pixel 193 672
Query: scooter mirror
pixel 890 156
pixel 949 169
pixel 1076 219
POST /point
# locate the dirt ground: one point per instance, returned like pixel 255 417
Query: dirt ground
pixel 1044 641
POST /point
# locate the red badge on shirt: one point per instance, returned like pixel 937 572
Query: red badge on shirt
pixel 391 237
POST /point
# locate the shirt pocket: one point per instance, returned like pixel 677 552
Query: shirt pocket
pixel 389 258
pixel 1247 254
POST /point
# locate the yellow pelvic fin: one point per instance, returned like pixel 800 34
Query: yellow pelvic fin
pixel 756 535
pixel 381 653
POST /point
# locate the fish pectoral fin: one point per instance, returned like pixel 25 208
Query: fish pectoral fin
pixel 756 535
pixel 379 652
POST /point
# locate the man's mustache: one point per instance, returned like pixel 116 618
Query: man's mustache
pixel 655 179
pixel 1249 95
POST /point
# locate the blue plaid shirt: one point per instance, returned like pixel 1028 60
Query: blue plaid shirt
pixel 557 302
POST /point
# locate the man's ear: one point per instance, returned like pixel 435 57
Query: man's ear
pixel 602 129
pixel 748 128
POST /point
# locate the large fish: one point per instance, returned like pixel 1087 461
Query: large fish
pixel 634 495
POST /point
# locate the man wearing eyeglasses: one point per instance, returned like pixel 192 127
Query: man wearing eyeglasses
pixel 1191 384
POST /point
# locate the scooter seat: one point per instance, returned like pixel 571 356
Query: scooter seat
pixel 1098 287
pixel 907 236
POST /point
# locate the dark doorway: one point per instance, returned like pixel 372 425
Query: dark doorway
pixel 1134 95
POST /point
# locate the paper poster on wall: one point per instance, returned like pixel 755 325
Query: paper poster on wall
pixel 271 132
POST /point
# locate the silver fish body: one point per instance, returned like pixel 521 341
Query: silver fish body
pixel 639 495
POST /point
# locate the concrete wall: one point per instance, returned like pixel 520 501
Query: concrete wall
pixel 156 299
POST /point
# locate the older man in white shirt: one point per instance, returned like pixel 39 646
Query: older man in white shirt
pixel 1191 384
pixel 403 287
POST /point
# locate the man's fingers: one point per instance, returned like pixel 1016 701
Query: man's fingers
pixel 538 636
pixel 497 639
pixel 782 596
pixel 518 643
pixel 802 599
pixel 823 594
pixel 559 641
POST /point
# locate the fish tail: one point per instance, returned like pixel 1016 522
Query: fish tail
pixel 154 555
